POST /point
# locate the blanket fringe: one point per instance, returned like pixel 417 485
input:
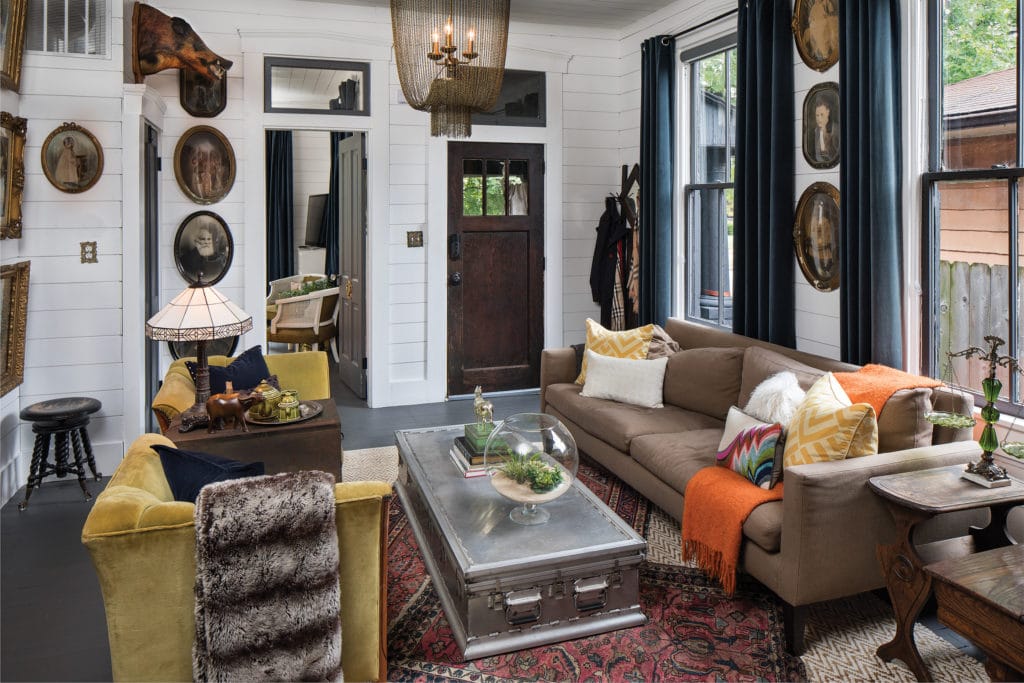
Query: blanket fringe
pixel 713 562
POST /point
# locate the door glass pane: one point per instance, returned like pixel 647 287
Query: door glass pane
pixel 979 95
pixel 518 186
pixel 974 285
pixel 472 187
pixel 495 203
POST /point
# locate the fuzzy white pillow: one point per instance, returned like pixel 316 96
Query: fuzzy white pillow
pixel 776 399
pixel 638 382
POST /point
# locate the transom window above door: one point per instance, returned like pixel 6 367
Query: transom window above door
pixel 495 187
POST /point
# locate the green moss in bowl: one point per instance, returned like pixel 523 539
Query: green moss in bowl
pixel 950 420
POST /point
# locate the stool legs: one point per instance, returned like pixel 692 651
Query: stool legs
pixel 35 470
pixel 88 452
pixel 79 467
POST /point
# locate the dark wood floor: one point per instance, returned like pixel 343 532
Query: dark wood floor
pixel 52 625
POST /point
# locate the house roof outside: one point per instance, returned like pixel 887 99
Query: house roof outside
pixel 983 100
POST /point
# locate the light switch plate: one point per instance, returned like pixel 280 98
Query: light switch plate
pixel 414 238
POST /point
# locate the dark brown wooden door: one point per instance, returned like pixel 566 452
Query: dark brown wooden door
pixel 495 266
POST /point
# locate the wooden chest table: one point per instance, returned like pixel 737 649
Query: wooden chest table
pixel 917 496
pixel 314 444
pixel 981 597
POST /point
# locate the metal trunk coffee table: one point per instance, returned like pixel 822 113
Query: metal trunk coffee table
pixel 505 586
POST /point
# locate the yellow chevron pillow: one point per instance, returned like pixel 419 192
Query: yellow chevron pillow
pixel 828 427
pixel 631 344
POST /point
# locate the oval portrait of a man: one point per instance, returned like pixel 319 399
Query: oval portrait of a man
pixel 203 248
pixel 816 31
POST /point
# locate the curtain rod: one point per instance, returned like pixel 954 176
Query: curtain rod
pixel 665 39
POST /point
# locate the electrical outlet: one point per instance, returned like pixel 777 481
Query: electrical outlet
pixel 89 252
pixel 414 238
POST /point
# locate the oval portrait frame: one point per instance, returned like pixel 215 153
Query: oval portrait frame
pixel 802 32
pixel 818 262
pixel 223 244
pixel 52 165
pixel 828 94
pixel 214 189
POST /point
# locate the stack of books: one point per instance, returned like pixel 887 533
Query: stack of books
pixel 470 462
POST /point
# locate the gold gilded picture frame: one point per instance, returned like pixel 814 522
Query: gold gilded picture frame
pixel 12 42
pixel 72 158
pixel 204 164
pixel 816 235
pixel 13 316
pixel 12 173
pixel 816 32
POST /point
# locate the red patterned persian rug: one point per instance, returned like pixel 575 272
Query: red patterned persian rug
pixel 694 631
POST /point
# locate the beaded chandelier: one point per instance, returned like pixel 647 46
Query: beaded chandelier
pixel 451 58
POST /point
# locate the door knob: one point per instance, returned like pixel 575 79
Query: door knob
pixel 455 279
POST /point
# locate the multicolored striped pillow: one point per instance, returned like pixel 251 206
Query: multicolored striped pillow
pixel 752 453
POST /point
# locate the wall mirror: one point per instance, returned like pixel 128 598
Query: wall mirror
pixel 13 315
pixel 316 86
pixel 522 101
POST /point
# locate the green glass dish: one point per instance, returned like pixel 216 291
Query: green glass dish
pixel 950 420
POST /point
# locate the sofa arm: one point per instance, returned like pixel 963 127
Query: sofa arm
pixel 362 521
pixel 832 521
pixel 176 395
pixel 557 366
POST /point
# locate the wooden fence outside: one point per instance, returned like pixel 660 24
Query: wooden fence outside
pixel 974 302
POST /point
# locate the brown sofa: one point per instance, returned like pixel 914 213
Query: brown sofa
pixel 818 543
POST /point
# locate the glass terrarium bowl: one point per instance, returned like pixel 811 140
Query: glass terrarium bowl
pixel 531 459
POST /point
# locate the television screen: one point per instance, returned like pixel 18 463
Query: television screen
pixel 315 218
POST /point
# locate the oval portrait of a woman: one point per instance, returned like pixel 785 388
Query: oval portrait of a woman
pixel 816 31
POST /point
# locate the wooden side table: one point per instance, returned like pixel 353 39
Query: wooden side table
pixel 915 497
pixel 981 597
pixel 313 444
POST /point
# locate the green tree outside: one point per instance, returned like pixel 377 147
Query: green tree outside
pixel 978 38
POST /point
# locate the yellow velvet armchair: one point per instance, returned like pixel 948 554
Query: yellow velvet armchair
pixel 305 371
pixel 142 544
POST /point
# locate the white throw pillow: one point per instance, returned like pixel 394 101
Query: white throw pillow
pixel 776 399
pixel 736 422
pixel 638 382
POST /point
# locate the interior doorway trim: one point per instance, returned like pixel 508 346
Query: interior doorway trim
pixel 255 46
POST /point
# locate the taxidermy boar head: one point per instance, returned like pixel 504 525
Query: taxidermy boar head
pixel 163 42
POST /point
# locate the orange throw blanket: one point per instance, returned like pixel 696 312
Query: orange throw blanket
pixel 875 384
pixel 718 502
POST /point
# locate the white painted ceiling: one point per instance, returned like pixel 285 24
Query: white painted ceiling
pixel 596 13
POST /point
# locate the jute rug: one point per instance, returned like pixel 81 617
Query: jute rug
pixel 370 464
pixel 841 637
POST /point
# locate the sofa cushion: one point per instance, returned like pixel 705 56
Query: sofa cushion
pixel 245 371
pixel 827 426
pixel 902 423
pixel 618 423
pixel 631 344
pixel 189 471
pixel 764 526
pixel 752 448
pixel 704 380
pixel 662 345
pixel 676 457
pixel 636 382
pixel 759 364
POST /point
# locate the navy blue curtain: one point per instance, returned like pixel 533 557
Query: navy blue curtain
pixel 763 288
pixel 329 227
pixel 657 154
pixel 280 200
pixel 870 181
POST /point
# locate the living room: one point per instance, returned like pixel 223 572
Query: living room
pixel 86 313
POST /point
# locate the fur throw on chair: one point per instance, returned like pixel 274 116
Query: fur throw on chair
pixel 267 596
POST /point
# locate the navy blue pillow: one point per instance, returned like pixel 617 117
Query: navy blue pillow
pixel 245 371
pixel 189 471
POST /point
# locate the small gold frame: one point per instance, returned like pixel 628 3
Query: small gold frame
pixel 14 34
pixel 816 235
pixel 12 148
pixel 192 145
pixel 815 27
pixel 14 312
pixel 88 166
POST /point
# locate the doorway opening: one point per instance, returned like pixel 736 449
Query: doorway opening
pixel 316 247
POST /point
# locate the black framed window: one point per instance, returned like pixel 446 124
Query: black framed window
pixel 710 157
pixel 316 86
pixel 973 261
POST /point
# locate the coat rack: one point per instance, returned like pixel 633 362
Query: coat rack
pixel 630 179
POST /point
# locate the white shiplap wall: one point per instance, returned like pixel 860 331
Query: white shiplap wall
pixel 311 159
